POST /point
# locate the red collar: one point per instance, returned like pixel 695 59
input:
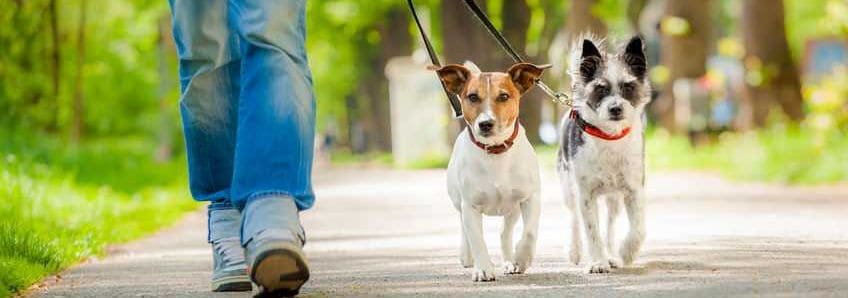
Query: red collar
pixel 595 131
pixel 496 149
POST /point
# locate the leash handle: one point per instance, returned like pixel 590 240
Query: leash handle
pixel 557 97
pixel 452 98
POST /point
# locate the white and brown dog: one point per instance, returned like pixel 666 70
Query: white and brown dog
pixel 602 145
pixel 493 169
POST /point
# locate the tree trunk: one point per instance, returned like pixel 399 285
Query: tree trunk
pixel 373 103
pixel 78 105
pixel 551 27
pixel 768 57
pixel 634 11
pixel 581 19
pixel 684 53
pixel 55 56
pixel 463 38
pixel 516 22
pixel 397 41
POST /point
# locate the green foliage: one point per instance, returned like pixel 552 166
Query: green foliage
pixel 341 38
pixel 430 162
pixel 120 78
pixel 61 205
pixel 346 158
pixel 614 15
pixel 804 19
pixel 827 102
pixel 781 154
pixel 24 67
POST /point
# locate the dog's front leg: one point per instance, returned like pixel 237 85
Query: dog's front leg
pixel 506 242
pixel 526 249
pixel 464 249
pixel 634 202
pixel 589 211
pixel 472 223
pixel 613 207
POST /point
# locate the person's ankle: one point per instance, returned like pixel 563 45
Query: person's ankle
pixel 272 218
pixel 223 223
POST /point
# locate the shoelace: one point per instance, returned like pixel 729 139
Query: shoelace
pixel 231 251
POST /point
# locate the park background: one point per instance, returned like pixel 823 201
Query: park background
pixel 91 151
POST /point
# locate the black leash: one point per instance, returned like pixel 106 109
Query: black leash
pixel 557 97
pixel 453 98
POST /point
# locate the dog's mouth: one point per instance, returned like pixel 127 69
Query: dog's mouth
pixel 486 134
pixel 616 118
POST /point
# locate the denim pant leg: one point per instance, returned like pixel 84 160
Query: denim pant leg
pixel 209 68
pixel 276 123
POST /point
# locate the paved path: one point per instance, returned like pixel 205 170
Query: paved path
pixel 394 233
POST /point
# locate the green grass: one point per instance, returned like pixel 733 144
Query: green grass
pixel 780 154
pixel 347 158
pixel 62 204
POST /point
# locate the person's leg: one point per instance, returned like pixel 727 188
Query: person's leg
pixel 209 79
pixel 273 157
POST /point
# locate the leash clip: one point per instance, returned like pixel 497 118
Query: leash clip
pixel 562 99
pixel 557 97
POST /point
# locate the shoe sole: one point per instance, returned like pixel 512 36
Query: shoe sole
pixel 280 272
pixel 232 284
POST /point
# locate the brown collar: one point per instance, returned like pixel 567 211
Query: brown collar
pixel 496 149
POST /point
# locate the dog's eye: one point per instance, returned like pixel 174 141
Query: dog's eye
pixel 503 97
pixel 603 91
pixel 627 88
pixel 473 97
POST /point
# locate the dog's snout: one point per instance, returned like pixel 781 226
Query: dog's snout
pixel 486 126
pixel 616 111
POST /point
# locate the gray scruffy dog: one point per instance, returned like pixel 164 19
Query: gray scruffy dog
pixel 601 152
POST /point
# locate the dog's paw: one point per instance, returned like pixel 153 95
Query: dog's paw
pixel 615 263
pixel 466 261
pixel 514 268
pixel 483 274
pixel 628 254
pixel 574 256
pixel 600 267
pixel 465 257
pixel 523 256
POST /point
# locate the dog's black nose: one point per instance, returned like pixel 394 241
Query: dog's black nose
pixel 486 126
pixel 616 111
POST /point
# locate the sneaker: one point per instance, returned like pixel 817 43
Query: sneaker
pixel 229 271
pixel 274 241
pixel 278 268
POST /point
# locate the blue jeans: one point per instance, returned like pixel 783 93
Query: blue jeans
pixel 247 104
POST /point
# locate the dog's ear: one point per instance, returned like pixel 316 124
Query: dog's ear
pixel 634 57
pixel 590 60
pixel 525 75
pixel 472 67
pixel 454 76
